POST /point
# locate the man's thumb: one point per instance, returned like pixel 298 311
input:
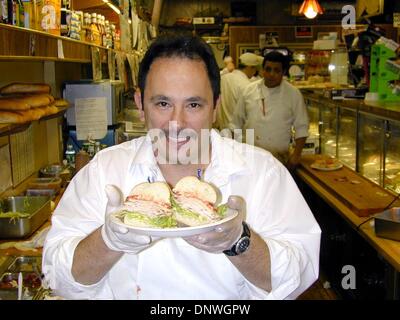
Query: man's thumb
pixel 114 195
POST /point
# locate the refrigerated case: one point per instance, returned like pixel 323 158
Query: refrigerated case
pixel 366 142
pixel 392 156
pixel 328 129
pixel 371 136
pixel 347 135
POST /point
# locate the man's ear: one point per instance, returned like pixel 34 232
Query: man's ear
pixel 216 107
pixel 138 101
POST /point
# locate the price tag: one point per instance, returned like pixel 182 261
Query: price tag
pixel 60 49
pixel 396 19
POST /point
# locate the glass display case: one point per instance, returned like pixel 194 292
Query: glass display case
pixel 347 135
pixel 312 143
pixel 392 156
pixel 366 142
pixel 371 137
pixel 328 129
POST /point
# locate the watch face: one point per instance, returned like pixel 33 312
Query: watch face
pixel 242 245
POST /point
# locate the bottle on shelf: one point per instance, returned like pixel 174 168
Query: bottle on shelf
pixel 3 11
pixel 95 30
pixel 86 27
pixel 70 155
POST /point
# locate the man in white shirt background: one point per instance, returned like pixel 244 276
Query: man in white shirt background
pixel 87 257
pixel 232 84
pixel 273 108
pixel 229 66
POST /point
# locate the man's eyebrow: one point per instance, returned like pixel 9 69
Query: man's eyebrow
pixel 159 97
pixel 196 99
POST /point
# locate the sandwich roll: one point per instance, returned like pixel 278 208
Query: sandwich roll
pixel 194 202
pixel 15 88
pixel 149 206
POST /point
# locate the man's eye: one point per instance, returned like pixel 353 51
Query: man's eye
pixel 194 105
pixel 162 104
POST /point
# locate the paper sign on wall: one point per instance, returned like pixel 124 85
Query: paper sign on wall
pixel 91 118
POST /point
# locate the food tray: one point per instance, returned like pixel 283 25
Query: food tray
pixel 41 192
pixel 45 183
pixel 37 208
pixel 30 267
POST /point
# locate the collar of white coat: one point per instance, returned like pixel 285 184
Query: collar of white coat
pixel 263 89
pixel 226 160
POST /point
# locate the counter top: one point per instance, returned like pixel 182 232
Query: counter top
pixel 388 249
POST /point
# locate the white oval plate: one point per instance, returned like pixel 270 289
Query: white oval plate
pixel 175 232
pixel 337 167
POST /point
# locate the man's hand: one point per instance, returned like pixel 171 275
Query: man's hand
pixel 293 161
pixel 118 238
pixel 225 235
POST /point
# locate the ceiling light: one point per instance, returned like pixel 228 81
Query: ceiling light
pixel 310 8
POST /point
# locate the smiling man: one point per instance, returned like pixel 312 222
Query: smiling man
pixel 263 253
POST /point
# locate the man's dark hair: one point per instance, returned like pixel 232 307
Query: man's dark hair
pixel 276 56
pixel 182 46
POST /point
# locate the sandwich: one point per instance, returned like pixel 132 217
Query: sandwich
pixel 194 203
pixel 149 205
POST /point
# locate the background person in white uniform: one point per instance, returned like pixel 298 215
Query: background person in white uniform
pixel 229 66
pixel 232 84
pixel 272 107
pixel 85 257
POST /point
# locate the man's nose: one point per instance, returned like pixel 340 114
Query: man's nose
pixel 179 116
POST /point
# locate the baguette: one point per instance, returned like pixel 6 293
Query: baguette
pixel 38 100
pixel 52 109
pixel 37 113
pixel 25 102
pixel 14 117
pixel 14 104
pixel 18 87
pixel 61 103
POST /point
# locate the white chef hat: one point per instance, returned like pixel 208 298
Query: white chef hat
pixel 251 59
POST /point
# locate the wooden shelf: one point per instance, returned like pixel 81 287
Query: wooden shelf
pixel 8 129
pixel 33 45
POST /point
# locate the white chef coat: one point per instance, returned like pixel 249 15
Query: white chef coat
pixel 171 268
pixel 231 86
pixel 284 109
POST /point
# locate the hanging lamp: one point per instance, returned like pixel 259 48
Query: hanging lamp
pixel 310 8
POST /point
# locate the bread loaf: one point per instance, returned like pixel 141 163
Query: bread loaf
pixel 61 103
pixel 9 117
pixel 17 87
pixel 38 113
pixel 25 102
pixel 38 100
pixel 14 104
pixel 52 109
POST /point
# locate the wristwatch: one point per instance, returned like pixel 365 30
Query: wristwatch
pixel 242 244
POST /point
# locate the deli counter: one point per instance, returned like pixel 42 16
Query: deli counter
pixel 365 137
